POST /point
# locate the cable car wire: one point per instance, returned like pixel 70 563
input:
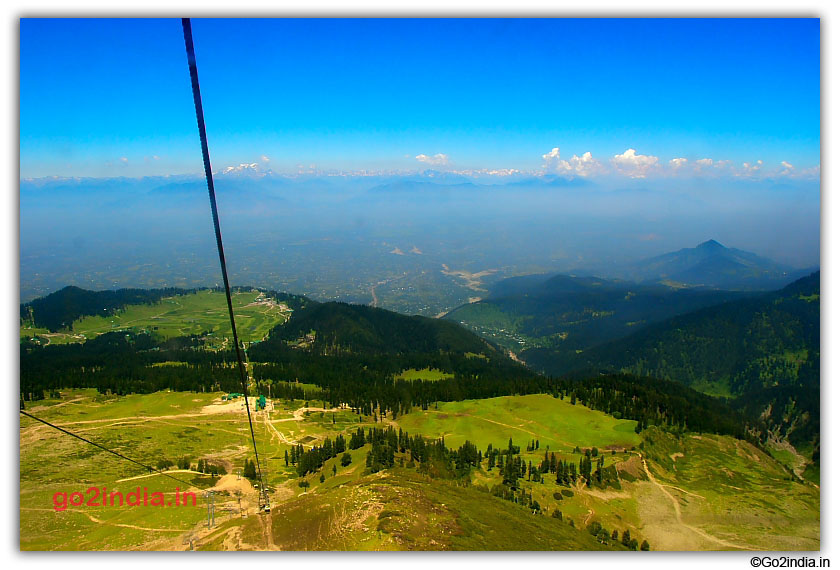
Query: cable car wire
pixel 208 173
pixel 111 451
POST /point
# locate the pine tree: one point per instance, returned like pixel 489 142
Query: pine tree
pixel 625 538
pixel 250 470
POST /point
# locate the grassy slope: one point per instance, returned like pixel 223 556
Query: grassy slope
pixel 401 510
pixel 147 428
pixel 51 462
pixel 734 491
pixel 204 311
pixel 554 422
pixel 426 374
pixel 724 490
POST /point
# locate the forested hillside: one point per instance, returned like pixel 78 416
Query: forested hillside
pixel 58 310
pixel 353 355
pixel 341 327
pixel 765 351
pixel 567 313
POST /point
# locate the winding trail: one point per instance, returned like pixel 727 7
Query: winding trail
pixel 156 474
pixel 297 416
pixel 277 433
pixel 100 521
pixel 54 406
pixel 678 513
pixel 550 436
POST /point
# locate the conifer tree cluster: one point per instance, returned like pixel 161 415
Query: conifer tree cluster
pixel 603 536
pixel 210 468
pixel 311 460
pixel 250 471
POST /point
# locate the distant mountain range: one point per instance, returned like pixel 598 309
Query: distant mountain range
pixel 713 265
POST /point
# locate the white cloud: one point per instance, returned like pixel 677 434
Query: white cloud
pixel 241 168
pixel 677 162
pixel 703 165
pixel 156 157
pixel 489 172
pixel 811 172
pixel 634 165
pixel 583 165
pixel 787 165
pixel 244 168
pixel 439 159
pixel 264 158
pixel 748 169
pixel 123 159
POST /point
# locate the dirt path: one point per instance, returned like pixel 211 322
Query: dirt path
pixel 155 474
pixel 492 422
pixel 99 521
pixel 678 513
pixel 268 535
pixel 130 419
pixel 277 433
pixel 235 406
pixel 551 434
pixel 54 406
pixel 298 415
pixel 686 492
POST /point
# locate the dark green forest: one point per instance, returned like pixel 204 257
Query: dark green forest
pixel 573 313
pixel 764 352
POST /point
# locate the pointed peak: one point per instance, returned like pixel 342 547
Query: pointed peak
pixel 710 245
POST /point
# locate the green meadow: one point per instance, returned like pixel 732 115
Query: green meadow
pixel 149 428
pixel 556 423
pixel 426 374
pixel 686 491
pixel 203 312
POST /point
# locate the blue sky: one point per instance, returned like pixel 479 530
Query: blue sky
pixel 112 97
